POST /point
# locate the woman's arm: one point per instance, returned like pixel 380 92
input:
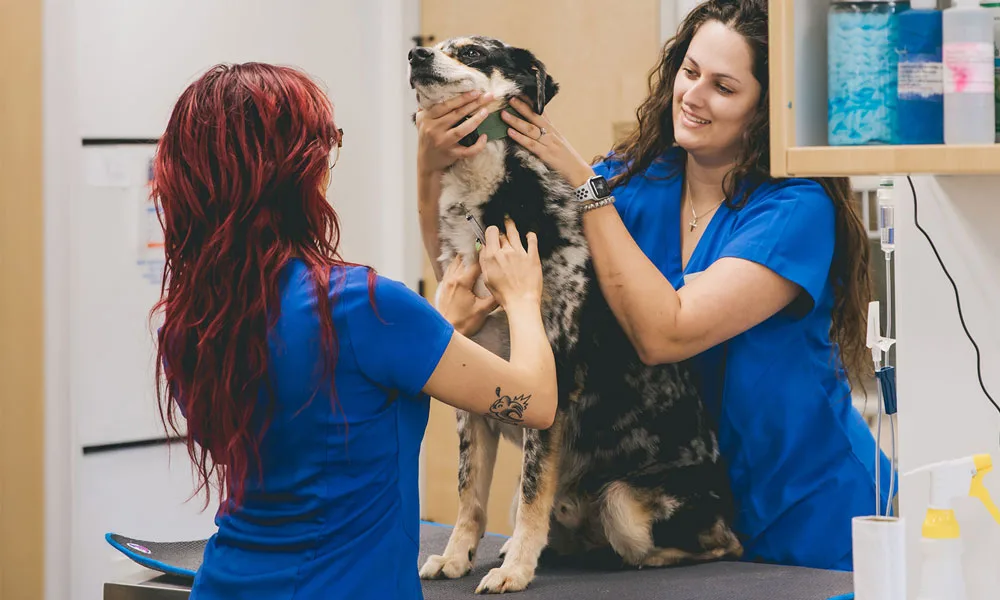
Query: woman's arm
pixel 663 325
pixel 523 390
pixel 428 193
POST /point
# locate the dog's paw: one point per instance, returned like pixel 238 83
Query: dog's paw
pixel 505 579
pixel 445 567
pixel 505 548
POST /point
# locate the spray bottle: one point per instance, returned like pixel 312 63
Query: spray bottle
pixel 942 576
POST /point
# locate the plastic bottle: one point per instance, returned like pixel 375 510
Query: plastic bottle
pixel 862 72
pixel 967 53
pixel 994 8
pixel 942 575
pixel 921 82
pixel 886 216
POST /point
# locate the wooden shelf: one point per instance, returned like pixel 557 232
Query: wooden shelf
pixel 825 161
pixel 798 112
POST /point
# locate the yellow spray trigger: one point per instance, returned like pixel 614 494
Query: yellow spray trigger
pixel 984 464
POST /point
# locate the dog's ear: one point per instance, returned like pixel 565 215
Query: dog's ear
pixel 535 82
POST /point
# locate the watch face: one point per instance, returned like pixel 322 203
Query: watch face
pixel 600 186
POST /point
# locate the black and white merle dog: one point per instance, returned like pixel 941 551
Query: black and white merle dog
pixel 631 466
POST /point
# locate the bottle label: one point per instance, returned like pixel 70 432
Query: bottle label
pixel 968 68
pixel 920 78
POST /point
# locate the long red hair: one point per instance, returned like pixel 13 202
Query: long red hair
pixel 239 178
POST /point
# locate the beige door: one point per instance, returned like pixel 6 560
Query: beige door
pixel 601 55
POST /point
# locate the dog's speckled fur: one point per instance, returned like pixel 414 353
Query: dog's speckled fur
pixel 631 467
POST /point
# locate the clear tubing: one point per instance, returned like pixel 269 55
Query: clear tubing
pixel 892 474
pixel 878 449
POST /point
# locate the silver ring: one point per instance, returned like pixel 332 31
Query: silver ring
pixel 542 132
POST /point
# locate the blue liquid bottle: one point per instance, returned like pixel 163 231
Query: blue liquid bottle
pixel 920 109
pixel 863 71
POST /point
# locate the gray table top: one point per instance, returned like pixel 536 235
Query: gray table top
pixel 715 581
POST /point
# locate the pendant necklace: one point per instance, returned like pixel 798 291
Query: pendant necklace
pixel 694 216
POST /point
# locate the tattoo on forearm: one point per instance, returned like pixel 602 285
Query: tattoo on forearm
pixel 509 409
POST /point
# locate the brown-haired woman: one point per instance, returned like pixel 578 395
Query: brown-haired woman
pixel 761 283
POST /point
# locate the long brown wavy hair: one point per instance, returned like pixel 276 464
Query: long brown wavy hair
pixel 654 136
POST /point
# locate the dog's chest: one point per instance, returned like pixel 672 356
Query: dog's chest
pixel 498 183
pixel 465 188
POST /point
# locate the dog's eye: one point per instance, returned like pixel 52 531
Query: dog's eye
pixel 470 52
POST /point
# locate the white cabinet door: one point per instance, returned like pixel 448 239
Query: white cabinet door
pixel 139 492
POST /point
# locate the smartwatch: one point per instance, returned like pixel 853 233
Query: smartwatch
pixel 596 188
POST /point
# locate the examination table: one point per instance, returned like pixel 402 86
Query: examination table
pixel 715 581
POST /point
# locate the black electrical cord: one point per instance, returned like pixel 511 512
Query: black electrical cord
pixel 958 302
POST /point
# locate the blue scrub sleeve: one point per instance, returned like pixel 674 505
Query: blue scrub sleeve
pixel 789 229
pixel 605 169
pixel 398 342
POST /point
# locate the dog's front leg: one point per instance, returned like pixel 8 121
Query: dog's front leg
pixel 539 480
pixel 477 453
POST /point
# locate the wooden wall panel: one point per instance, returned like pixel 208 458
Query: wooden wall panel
pixel 21 302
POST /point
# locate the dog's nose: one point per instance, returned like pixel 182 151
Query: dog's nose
pixel 419 55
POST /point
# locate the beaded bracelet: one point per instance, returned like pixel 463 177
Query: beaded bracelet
pixel 599 203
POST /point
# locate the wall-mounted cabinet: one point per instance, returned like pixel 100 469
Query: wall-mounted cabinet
pixel 800 146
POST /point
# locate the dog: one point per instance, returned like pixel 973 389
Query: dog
pixel 631 466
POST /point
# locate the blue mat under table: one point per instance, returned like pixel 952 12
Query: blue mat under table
pixel 178 561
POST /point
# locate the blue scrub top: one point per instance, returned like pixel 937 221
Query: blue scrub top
pixel 337 512
pixel 801 458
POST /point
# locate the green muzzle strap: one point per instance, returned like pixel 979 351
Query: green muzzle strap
pixel 494 127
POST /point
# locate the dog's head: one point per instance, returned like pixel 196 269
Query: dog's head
pixel 463 64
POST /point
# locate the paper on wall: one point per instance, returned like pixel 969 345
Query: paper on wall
pixel 151 242
pixel 109 167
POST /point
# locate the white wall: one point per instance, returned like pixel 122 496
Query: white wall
pixel 943 413
pixel 132 61
pixel 134 58
pixel 672 13
pixel 61 156
pixel 113 68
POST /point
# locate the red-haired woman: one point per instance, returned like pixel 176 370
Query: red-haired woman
pixel 303 380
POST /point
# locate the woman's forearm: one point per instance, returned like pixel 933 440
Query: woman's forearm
pixel 521 390
pixel 642 299
pixel 428 195
pixel 531 353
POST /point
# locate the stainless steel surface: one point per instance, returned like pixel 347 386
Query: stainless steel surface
pixel 143 584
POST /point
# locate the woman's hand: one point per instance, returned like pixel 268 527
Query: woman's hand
pixel 472 378
pixel 437 149
pixel 438 135
pixel 513 274
pixel 549 146
pixel 457 302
